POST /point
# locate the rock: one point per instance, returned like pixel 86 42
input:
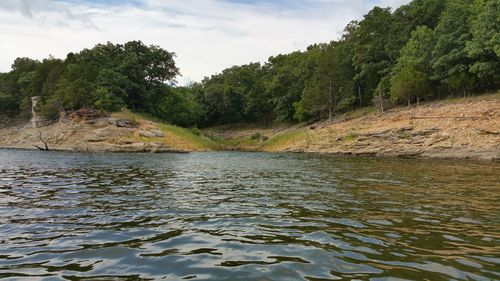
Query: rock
pixel 103 134
pixel 98 122
pixel 151 134
pixel 403 129
pixel 426 132
pixel 378 134
pixel 86 114
pixel 158 133
pixel 123 123
pixel 146 134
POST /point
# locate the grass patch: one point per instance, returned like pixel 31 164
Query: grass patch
pixel 283 140
pixel 350 137
pixel 177 137
pixel 238 143
pixel 135 116
pixel 188 139
pixel 358 112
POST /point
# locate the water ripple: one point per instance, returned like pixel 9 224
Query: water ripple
pixel 248 216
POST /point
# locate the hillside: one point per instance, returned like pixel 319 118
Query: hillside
pixel 118 132
pixel 460 128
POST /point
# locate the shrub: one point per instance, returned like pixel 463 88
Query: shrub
pixel 196 131
pixel 256 136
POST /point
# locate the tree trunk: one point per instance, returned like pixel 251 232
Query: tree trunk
pixel 381 101
pixel 359 94
pixel 330 103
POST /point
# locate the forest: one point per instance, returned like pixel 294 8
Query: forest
pixel 425 50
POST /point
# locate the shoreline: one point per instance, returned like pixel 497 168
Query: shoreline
pixel 425 155
pixel 466 129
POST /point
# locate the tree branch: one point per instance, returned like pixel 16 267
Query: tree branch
pixel 46 147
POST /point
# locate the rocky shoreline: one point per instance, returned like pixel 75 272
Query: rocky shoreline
pixel 408 143
pixel 460 130
pixel 468 129
pixel 94 134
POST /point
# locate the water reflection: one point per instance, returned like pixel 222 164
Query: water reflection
pixel 251 216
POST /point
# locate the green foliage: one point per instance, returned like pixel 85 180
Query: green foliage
pixel 450 61
pixel 49 110
pixel 372 55
pixel 106 100
pixel 287 77
pixel 178 106
pixel 330 88
pixel 255 136
pixel 407 83
pixel 196 132
pixel 484 47
pixel 107 77
pixel 8 104
pixel 237 94
pixel 411 74
pixel 426 49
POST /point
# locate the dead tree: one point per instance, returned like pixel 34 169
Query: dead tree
pixel 40 137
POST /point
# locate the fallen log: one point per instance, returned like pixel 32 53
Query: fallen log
pixel 448 117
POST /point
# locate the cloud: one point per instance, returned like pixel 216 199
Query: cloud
pixel 207 35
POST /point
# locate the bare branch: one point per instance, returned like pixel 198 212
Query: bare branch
pixel 40 137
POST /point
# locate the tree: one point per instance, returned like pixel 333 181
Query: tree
pixel 110 91
pixel 450 60
pixel 372 58
pixel 484 46
pixel 331 88
pixel 413 68
pixel 8 105
pixel 287 76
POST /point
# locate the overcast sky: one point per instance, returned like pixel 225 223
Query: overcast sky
pixel 206 35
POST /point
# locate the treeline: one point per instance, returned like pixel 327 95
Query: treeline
pixel 428 49
pixel 107 77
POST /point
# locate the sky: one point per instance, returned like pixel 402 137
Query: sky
pixel 206 35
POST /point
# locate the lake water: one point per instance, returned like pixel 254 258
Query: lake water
pixel 246 216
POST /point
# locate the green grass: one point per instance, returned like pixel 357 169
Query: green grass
pixel 241 143
pixel 181 138
pixel 358 112
pixel 135 116
pixel 282 140
pixel 350 137
pixel 199 141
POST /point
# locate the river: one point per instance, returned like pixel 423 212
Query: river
pixel 246 216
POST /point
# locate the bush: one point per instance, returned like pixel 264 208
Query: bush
pixel 49 111
pixel 106 101
pixel 256 136
pixel 196 131
pixel 8 105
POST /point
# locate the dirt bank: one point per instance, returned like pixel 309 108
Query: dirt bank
pixel 464 129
